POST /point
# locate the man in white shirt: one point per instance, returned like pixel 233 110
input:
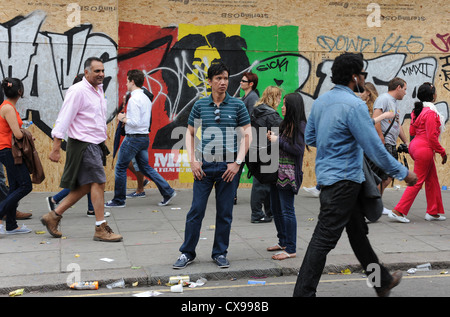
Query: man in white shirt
pixel 136 142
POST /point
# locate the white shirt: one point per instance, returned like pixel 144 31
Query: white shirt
pixel 139 111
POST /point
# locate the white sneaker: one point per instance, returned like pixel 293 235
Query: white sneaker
pixel 429 217
pixel 313 191
pixel 398 218
pixel 386 211
pixel 19 230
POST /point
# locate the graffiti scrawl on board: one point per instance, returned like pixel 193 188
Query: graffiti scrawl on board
pixel 47 63
pixel 175 61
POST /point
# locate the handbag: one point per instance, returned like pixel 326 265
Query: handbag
pixel 370 196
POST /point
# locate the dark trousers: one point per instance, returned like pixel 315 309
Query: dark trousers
pixel 224 209
pixel 260 196
pixel 339 209
pixel 19 186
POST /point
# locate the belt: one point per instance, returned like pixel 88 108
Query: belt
pixel 137 135
pixel 228 157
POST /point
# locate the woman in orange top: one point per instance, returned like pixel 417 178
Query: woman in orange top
pixel 18 175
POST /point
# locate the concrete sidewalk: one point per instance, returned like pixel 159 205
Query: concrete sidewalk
pixel 153 235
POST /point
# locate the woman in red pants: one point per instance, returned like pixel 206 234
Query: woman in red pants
pixel 426 126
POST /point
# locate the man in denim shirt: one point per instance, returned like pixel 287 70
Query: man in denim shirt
pixel 341 129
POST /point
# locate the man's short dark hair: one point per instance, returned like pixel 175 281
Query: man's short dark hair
pixel 346 65
pixel 395 82
pixel 137 76
pixel 217 68
pixel 88 62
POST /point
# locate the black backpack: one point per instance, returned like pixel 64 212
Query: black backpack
pixel 258 158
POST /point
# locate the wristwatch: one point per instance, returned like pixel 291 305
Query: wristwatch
pixel 238 162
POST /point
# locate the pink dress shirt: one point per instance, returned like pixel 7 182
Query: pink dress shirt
pixel 83 114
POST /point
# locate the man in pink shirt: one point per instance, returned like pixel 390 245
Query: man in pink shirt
pixel 83 118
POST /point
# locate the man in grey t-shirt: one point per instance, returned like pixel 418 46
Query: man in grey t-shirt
pixel 384 103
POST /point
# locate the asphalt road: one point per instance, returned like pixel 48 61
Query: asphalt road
pixel 432 284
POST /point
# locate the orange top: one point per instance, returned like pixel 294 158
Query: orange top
pixel 5 130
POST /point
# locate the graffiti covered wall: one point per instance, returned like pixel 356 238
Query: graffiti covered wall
pixel 287 43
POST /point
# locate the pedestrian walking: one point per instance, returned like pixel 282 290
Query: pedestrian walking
pixel 136 142
pixel 83 118
pixel 215 161
pixel 52 201
pixel 341 129
pixel 389 130
pixel 426 126
pixel 18 174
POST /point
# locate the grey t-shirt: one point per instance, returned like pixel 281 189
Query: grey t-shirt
pixel 386 103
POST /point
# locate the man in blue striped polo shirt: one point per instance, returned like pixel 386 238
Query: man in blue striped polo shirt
pixel 215 161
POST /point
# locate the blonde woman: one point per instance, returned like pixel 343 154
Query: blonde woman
pixel 369 95
pixel 264 115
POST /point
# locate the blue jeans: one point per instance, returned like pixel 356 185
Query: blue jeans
pixel 283 210
pixel 64 192
pixel 224 209
pixel 136 147
pixel 19 186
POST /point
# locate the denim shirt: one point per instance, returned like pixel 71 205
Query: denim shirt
pixel 341 129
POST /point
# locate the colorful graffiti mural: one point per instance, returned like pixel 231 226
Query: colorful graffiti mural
pixel 175 61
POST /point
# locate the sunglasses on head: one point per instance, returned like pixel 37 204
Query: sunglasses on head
pixel 217 115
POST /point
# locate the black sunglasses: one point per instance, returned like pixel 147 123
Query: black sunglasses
pixel 364 74
pixel 244 81
pixel 217 114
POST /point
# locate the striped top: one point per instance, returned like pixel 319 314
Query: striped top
pixel 218 138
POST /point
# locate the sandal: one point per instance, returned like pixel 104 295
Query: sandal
pixel 276 247
pixel 283 255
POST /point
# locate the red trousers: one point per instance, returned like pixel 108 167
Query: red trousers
pixel 425 169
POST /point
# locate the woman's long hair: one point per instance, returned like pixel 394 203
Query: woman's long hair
pixel 295 114
pixel 372 97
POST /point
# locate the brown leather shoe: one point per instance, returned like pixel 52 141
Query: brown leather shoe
pixel 385 291
pixel 105 233
pixel 51 221
pixel 23 215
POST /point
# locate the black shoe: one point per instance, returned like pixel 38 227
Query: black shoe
pixel 182 262
pixel 222 262
pixel 262 220
pixel 51 205
pixel 385 291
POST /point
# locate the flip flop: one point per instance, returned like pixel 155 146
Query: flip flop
pixel 276 247
pixel 283 255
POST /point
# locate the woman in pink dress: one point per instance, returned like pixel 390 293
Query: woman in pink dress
pixel 426 126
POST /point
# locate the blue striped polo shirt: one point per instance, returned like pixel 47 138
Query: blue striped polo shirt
pixel 218 138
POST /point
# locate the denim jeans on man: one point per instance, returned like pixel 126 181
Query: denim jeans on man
pixel 64 192
pixel 131 147
pixel 282 205
pixel 224 209
pixel 19 186
pixel 339 210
